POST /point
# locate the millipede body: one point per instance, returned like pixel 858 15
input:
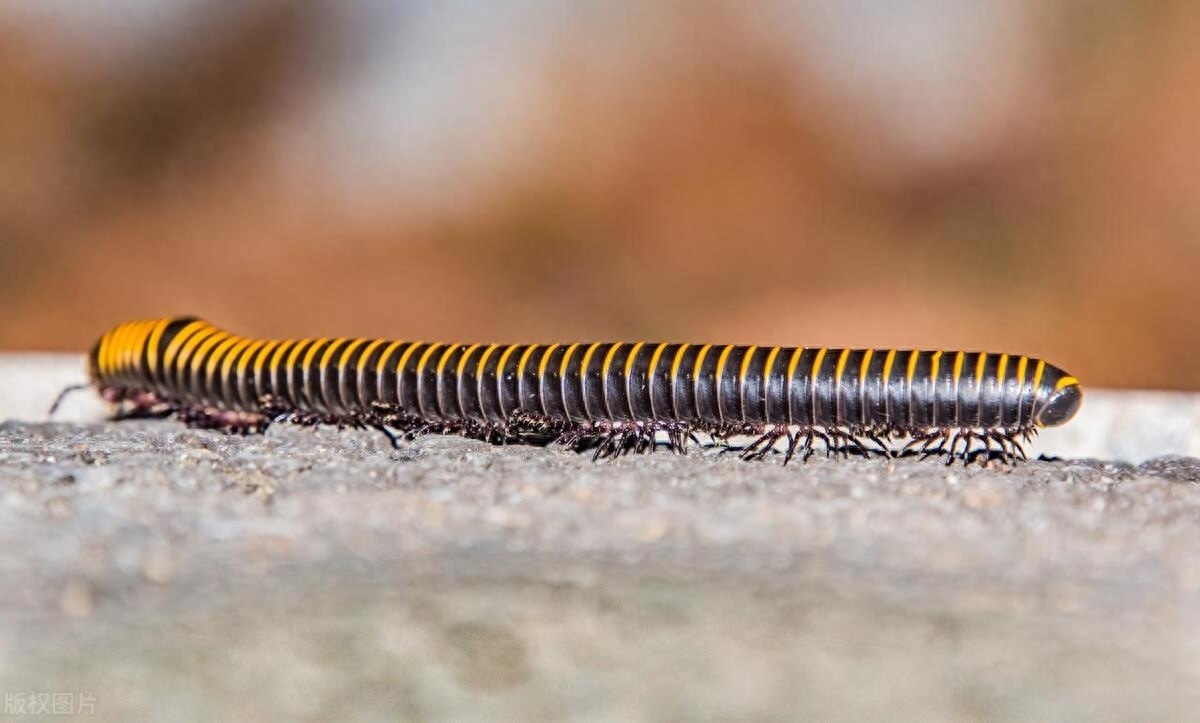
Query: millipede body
pixel 613 397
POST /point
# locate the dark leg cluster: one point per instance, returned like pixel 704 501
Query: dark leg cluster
pixel 1001 444
pixel 606 439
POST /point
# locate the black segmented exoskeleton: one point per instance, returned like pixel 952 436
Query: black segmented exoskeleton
pixel 615 397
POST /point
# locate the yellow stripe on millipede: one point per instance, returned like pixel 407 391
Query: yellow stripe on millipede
pixel 381 364
pixel 479 370
pixel 401 365
pixel 327 356
pixel 1022 366
pixel 651 373
pixel 1065 382
pixel 277 360
pixel 629 377
pixel 675 376
pixel 521 376
pixel 293 359
pixel 143 352
pixel 791 374
pixel 541 377
pixel 129 349
pixel 438 377
pixel 462 361
pixel 1037 382
pixel 696 376
pixel 629 361
pixel 604 369
pixel 119 349
pixel 566 361
pixel 678 362
pixel 108 350
pixel 458 377
pixel 251 352
pixel 344 361
pixel 816 367
pixel 959 362
pixel 234 355
pixel 132 354
pixel 544 362
pixel 934 362
pixel 152 348
pixel 508 351
pixel 583 366
pixel 323 371
pixel 838 370
pixel 721 360
pixel 562 377
pixel 766 390
pixel 259 354
pixel 1001 372
pixel 421 376
pixel 133 349
pixel 888 362
pixel 365 358
pixel 349 352
pixel 742 378
pixel 172 349
pixel 309 357
pixel 863 367
pixel 187 355
pixel 206 352
pixel 189 348
pixel 812 384
pixel 1039 370
pixel 980 366
pixel 217 359
pixel 913 357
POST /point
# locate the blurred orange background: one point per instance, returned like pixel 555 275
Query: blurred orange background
pixel 1016 176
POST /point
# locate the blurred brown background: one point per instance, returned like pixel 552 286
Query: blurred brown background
pixel 1016 176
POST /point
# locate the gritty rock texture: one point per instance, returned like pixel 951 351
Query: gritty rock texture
pixel 189 575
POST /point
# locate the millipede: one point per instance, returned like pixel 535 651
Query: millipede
pixel 612 398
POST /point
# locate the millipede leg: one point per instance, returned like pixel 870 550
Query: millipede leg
pixel 808 443
pixel 857 444
pixel 1002 450
pixel 940 436
pixel 884 448
pixel 793 438
pixel 968 438
pixel 388 433
pixel 821 436
pixel 953 445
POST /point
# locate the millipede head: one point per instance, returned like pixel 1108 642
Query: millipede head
pixel 1061 405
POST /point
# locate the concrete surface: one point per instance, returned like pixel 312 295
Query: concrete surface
pixel 154 571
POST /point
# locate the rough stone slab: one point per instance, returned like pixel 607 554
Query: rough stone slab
pixel 171 573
